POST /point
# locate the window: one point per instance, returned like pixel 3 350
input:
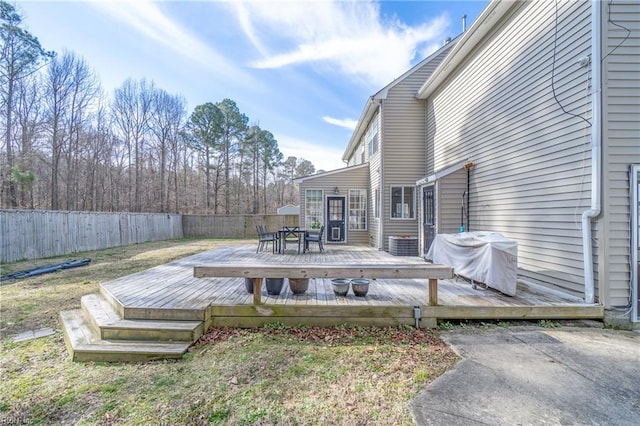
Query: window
pixel 357 209
pixel 376 203
pixel 429 207
pixel 402 202
pixel 313 213
pixel 372 137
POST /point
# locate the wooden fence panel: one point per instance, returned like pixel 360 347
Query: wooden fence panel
pixel 34 234
pixel 233 226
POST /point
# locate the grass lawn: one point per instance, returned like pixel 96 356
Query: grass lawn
pixel 270 375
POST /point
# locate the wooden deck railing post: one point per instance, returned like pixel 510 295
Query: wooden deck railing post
pixel 433 292
pixel 257 291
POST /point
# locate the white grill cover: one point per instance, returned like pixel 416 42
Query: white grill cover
pixel 485 257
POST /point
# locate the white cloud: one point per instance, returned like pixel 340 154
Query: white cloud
pixel 347 123
pixel 320 155
pixel 147 18
pixel 350 36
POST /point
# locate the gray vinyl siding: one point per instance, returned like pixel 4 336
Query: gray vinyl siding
pixel 373 224
pixel 402 147
pixel 621 132
pixel 375 182
pixel 347 178
pixel 531 179
pixel 355 158
pixel 448 200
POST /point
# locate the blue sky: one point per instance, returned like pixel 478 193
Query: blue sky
pixel 302 70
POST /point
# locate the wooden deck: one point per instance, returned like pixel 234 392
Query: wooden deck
pixel 158 313
pixel 172 292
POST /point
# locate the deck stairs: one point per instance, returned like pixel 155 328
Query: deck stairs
pixel 102 330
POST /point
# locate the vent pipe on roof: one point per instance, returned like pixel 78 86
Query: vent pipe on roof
pixel 464 23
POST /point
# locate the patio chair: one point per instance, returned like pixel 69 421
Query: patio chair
pixel 314 238
pixel 265 237
pixel 291 235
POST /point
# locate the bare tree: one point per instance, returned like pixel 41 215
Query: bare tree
pixel 57 98
pixel 71 87
pixel 166 122
pixel 131 109
pixel 20 56
pixel 101 146
pixel 29 118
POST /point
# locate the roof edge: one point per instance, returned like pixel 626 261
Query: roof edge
pixel 330 172
pixel 487 20
pixel 369 109
pixel 374 101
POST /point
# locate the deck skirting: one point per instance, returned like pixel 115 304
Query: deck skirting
pixel 383 316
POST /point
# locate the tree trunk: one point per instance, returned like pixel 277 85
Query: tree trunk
pixel 10 161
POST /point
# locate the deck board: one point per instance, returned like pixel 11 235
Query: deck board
pixel 173 287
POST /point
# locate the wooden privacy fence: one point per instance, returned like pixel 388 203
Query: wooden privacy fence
pixel 233 226
pixel 34 234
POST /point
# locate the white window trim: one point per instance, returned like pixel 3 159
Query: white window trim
pixel 369 138
pixel 413 207
pixel 306 203
pixel 366 210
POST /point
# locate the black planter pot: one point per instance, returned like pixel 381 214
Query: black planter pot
pixel 248 283
pixel 274 286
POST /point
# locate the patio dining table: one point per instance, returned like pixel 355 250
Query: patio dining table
pixel 300 233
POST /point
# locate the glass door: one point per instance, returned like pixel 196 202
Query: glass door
pixel 429 216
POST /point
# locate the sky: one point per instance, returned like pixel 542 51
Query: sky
pixel 302 70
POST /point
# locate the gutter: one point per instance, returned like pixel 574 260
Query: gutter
pixel 596 152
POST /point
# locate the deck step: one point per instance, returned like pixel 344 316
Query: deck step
pixel 108 323
pixel 151 313
pixel 84 343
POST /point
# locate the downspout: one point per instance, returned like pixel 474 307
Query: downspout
pixel 381 219
pixel 596 151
